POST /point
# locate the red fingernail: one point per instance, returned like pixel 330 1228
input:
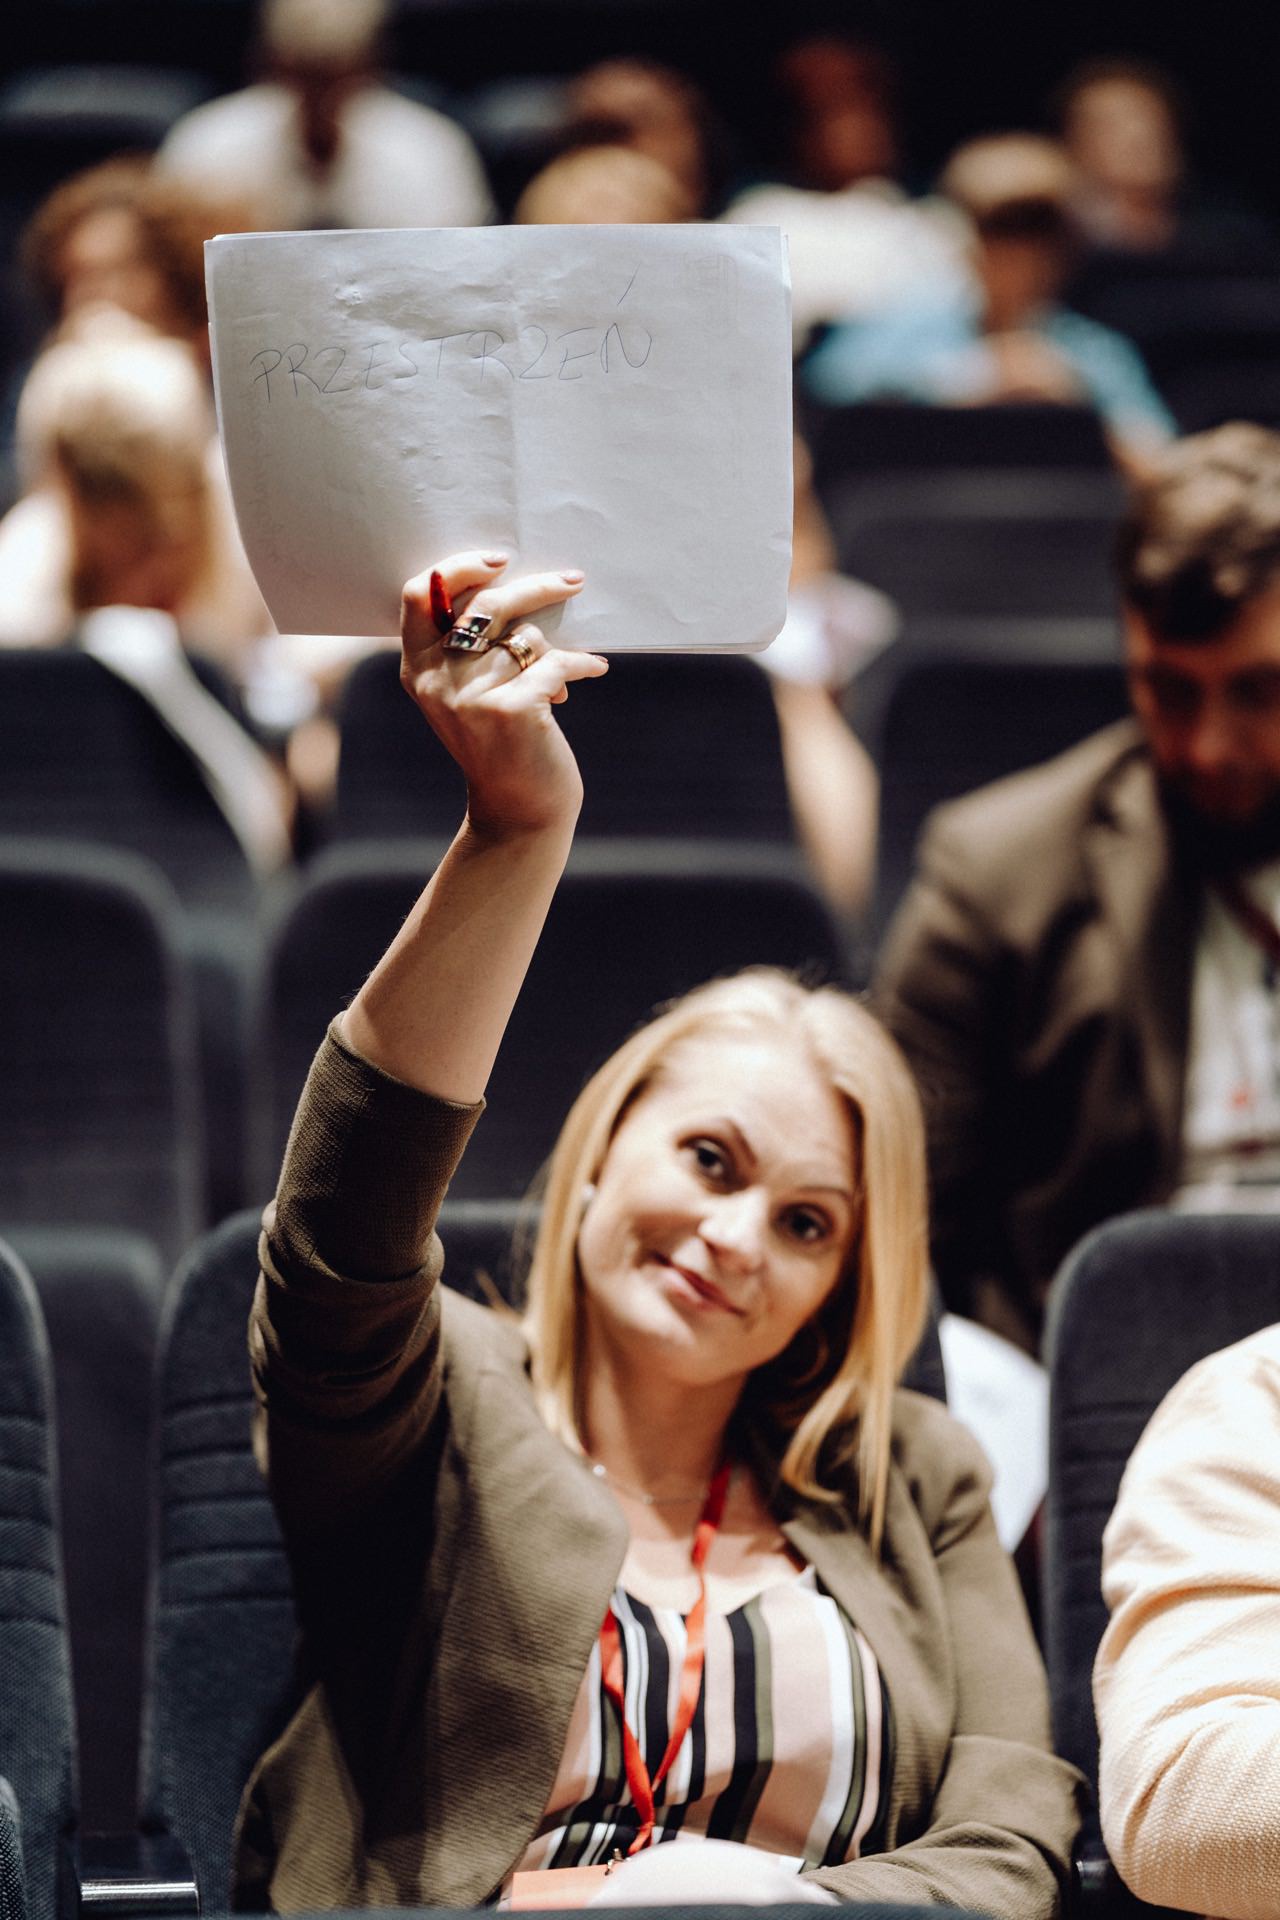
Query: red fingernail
pixel 441 604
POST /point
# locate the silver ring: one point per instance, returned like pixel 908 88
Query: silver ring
pixel 470 635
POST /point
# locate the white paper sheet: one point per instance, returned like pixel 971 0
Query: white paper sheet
pixel 614 398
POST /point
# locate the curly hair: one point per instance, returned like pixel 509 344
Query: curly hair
pixel 1202 537
pixel 173 225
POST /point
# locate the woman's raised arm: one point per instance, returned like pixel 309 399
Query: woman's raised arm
pixel 434 1010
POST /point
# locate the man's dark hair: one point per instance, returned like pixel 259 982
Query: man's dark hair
pixel 1202 537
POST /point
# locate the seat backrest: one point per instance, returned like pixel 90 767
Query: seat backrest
pixel 632 925
pixel 880 437
pixel 83 756
pixel 37 1740
pixel 99 1079
pixel 1137 1303
pixel 219 1658
pixel 953 725
pixel 684 745
pixel 100 1292
pixel 998 544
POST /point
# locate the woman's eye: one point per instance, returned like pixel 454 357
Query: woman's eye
pixel 709 1158
pixel 804 1223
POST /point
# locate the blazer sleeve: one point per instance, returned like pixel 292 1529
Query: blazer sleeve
pixel 345 1331
pixel 1006 1810
pixel 1187 1681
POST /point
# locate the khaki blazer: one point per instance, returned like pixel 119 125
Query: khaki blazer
pixel 453 1562
pixel 1037 976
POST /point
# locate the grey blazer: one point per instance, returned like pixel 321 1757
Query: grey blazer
pixel 453 1561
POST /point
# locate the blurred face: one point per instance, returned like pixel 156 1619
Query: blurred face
pixel 122 556
pixel 104 259
pixel 724 1213
pixel 1211 713
pixel 1019 275
pixel 651 117
pixel 1122 135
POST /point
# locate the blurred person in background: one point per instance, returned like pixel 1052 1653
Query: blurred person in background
pixel 320 142
pixel 126 500
pixel 1003 335
pixel 835 626
pixel 1123 123
pixel 1083 973
pixel 840 114
pixel 604 186
pixel 655 111
pixel 124 548
pixel 121 235
pixel 856 242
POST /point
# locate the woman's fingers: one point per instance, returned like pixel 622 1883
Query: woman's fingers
pixel 454 580
pixel 550 676
pixel 529 594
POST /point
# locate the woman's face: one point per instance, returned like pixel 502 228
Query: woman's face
pixel 105 260
pixel 724 1212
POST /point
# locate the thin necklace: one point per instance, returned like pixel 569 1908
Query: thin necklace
pixel 647 1499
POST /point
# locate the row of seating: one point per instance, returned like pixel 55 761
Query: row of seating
pixel 1139 1302
pixel 670 748
pixel 166 1033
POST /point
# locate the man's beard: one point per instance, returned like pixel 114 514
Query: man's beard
pixel 1220 846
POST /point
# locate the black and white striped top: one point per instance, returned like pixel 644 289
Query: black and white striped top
pixel 790 1749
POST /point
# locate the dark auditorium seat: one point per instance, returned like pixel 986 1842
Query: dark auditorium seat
pixel 100 1291
pixel 100 1121
pixel 683 745
pixel 983 544
pixel 954 724
pixel 1138 1303
pixel 874 439
pixel 633 924
pixel 83 756
pixel 37 1732
pixel 219 1658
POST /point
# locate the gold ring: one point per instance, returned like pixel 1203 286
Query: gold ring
pixel 520 650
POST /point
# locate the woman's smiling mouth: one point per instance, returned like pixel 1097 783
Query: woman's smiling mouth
pixel 695 1286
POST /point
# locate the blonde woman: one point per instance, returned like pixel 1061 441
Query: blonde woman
pixel 668 1579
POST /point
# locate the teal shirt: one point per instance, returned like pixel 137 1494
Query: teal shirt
pixel 934 352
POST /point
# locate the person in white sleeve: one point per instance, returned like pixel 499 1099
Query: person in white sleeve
pixel 1187 1681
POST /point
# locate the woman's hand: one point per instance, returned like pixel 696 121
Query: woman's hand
pixel 493 715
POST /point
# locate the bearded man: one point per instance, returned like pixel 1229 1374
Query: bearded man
pixel 1085 972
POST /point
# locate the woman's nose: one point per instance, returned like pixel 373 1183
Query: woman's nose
pixel 735 1226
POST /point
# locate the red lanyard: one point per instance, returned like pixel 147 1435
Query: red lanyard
pixel 1253 921
pixel 642 1786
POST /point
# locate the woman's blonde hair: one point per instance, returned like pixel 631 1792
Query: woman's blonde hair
pixel 826 1402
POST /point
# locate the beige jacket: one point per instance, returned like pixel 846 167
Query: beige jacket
pixel 1187 1682
pixel 453 1562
